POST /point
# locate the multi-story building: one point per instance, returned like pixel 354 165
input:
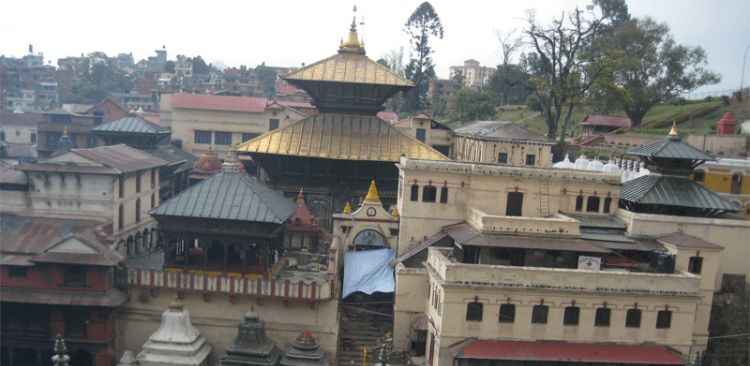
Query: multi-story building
pixel 115 184
pixel 57 279
pixel 19 132
pixel 56 123
pixel 471 74
pixel 215 122
pixel 728 177
pixel 28 84
pixel 427 131
pixel 504 143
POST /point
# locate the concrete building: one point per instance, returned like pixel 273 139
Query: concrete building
pixel 471 74
pixel 204 121
pixel 729 178
pixel 428 131
pixel 504 143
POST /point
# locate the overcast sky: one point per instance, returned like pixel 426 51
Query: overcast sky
pixel 288 33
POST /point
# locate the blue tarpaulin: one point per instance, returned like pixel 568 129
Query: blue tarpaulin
pixel 368 271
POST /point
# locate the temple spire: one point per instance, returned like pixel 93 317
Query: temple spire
pixel 347 209
pixel 673 131
pixel 352 44
pixel 372 193
pixel 300 198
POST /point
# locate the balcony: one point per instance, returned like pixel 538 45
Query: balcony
pixel 452 272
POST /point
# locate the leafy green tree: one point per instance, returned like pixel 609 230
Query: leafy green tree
pixel 96 80
pixel 421 25
pixel 267 78
pixel 510 84
pixel 169 66
pixel 199 66
pixel 653 67
pixel 467 105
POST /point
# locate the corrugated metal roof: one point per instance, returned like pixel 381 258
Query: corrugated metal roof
pixel 341 136
pixel 132 124
pixel 174 155
pixel 558 351
pixel 670 147
pixel 673 191
pixel 121 157
pixel 500 130
pixel 229 196
pixel 349 68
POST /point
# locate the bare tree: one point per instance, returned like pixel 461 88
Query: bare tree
pixel 509 44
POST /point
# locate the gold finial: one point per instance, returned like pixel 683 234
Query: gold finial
pixel 673 131
pixel 352 44
pixel 394 212
pixel 347 209
pixel 65 132
pixel 372 193
pixel 300 198
pixel 176 304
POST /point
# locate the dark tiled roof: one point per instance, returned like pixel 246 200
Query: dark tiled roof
pixel 670 147
pixel 20 119
pixel 131 124
pixel 673 191
pixel 500 130
pixel 25 235
pixel 75 250
pixel 341 136
pixel 121 157
pixel 229 196
pixel 174 155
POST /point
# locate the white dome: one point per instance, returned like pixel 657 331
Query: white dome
pixel 595 165
pixel 582 163
pixel 564 164
pixel 611 167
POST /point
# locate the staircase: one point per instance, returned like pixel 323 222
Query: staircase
pixel 362 326
pixel 544 209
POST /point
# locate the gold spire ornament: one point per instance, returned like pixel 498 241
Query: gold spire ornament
pixel 347 209
pixel 372 193
pixel 394 212
pixel 176 304
pixel 300 198
pixel 352 44
pixel 673 131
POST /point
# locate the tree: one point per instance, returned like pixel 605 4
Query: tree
pixel 394 60
pixel 169 66
pixel 421 25
pixel 199 66
pixel 467 105
pixel 267 79
pixel 564 64
pixel 653 68
pixel 96 80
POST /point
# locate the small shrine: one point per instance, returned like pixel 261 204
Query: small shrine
pixel 252 346
pixel 301 232
pixel 304 351
pixel 370 226
pixel 176 342
pixel 206 166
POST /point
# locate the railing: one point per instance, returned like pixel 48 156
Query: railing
pixel 557 224
pixel 230 283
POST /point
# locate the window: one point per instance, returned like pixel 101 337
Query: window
pixel 17 272
pixel 607 203
pixel 429 193
pixel 474 311
pixel 572 315
pixel 507 313
pixel 699 176
pixel 736 184
pixel 421 134
pixel 592 204
pixel 502 158
pixel 74 276
pixel 695 264
pixel 33 137
pixel 530 159
pixel 602 317
pixel 444 195
pixel 75 323
pixel 121 217
pixel 153 200
pixel 664 319
pixel 514 204
pixel 415 192
pixel 248 136
pixel 579 203
pixel 153 178
pixel 138 178
pixel 2 135
pixel 138 210
pixel 223 138
pixel 273 124
pixel 633 318
pixel 539 314
pixel 202 137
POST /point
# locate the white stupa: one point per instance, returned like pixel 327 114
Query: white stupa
pixel 176 343
pixel 611 167
pixel 582 163
pixel 564 164
pixel 595 165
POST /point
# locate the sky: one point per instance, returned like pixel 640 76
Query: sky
pixel 292 32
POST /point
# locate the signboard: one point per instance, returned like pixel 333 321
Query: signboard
pixel 590 263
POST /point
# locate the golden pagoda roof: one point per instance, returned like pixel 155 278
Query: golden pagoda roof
pixel 349 68
pixel 341 136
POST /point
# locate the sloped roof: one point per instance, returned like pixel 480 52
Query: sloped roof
pixel 670 147
pixel 77 250
pixel 341 136
pixel 110 298
pixel 114 159
pixel 688 241
pixel 607 120
pixel 348 68
pixel 500 130
pixel 673 191
pixel 131 124
pixel 228 196
pixel 174 155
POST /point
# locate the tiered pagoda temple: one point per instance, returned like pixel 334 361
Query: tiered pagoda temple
pixel 251 347
pixel 304 351
pixel 668 190
pixel 334 154
pixel 177 342
pixel 230 222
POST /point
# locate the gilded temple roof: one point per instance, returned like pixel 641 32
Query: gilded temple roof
pixel 341 136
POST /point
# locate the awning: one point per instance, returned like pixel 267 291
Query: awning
pixel 368 271
pixel 557 351
pixel 112 297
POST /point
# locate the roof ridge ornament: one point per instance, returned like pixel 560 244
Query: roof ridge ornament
pixel 352 44
pixel 673 131
pixel 372 193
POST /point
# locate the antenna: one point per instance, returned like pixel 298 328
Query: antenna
pixel 362 29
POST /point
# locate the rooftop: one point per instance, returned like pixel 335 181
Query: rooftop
pixel 500 130
pixel 113 159
pixel 132 124
pixel 673 191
